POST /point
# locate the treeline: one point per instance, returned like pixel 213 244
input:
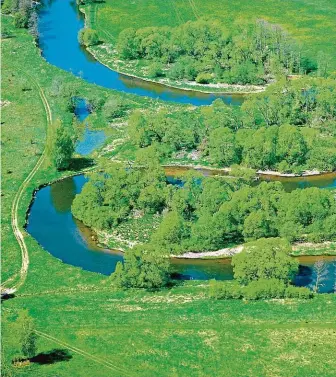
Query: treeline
pixel 24 12
pixel 206 51
pixel 291 127
pixel 206 213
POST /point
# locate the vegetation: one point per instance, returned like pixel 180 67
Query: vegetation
pixel 207 213
pixel 60 145
pixel 88 37
pixel 261 289
pixel 208 52
pixel 144 267
pixel 265 259
pixel 270 131
pixel 306 23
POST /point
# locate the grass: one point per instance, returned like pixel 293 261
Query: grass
pixel 309 22
pixel 180 332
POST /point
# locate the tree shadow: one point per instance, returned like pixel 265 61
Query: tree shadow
pixel 52 357
pixel 7 296
pixel 80 163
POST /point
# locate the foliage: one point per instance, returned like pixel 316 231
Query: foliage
pixel 206 50
pixel 110 196
pixel 144 267
pixel 88 37
pixel 272 131
pixel 27 333
pixel 60 145
pixel 257 290
pixel 264 259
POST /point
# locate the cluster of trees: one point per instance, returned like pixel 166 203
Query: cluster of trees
pixel 290 127
pixel 207 213
pixel 108 198
pixel 263 270
pixel 246 214
pixel 206 51
pixel 24 13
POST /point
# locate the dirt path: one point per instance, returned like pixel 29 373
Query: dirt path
pixel 106 363
pixel 18 233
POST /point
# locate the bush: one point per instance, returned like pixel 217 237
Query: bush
pixel 298 292
pixel 224 290
pixel 203 78
pixel 257 290
pixel 264 289
pixel 20 20
pixel 88 37
pixel 155 70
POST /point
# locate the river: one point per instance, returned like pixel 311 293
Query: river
pixel 59 24
pixel 50 220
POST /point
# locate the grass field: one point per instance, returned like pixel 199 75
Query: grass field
pixel 310 23
pixel 180 332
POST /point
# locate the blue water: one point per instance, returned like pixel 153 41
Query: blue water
pixel 51 223
pixel 91 139
pixel 59 23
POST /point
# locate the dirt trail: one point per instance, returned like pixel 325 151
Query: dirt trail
pixel 106 363
pixel 18 232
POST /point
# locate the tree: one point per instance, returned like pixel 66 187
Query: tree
pixel 60 145
pixel 321 274
pixel 222 147
pixel 145 266
pixel 88 37
pixel 265 258
pixel 27 333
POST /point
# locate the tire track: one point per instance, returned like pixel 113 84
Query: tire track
pixel 18 233
pixel 83 353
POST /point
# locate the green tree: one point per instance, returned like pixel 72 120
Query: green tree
pixel 145 266
pixel 222 147
pixel 60 145
pixel 88 37
pixel 27 333
pixel 265 258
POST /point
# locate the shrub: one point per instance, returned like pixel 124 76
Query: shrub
pixel 298 292
pixel 256 290
pixel 203 78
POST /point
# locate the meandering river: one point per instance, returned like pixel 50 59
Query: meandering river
pixel 59 24
pixel 50 220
